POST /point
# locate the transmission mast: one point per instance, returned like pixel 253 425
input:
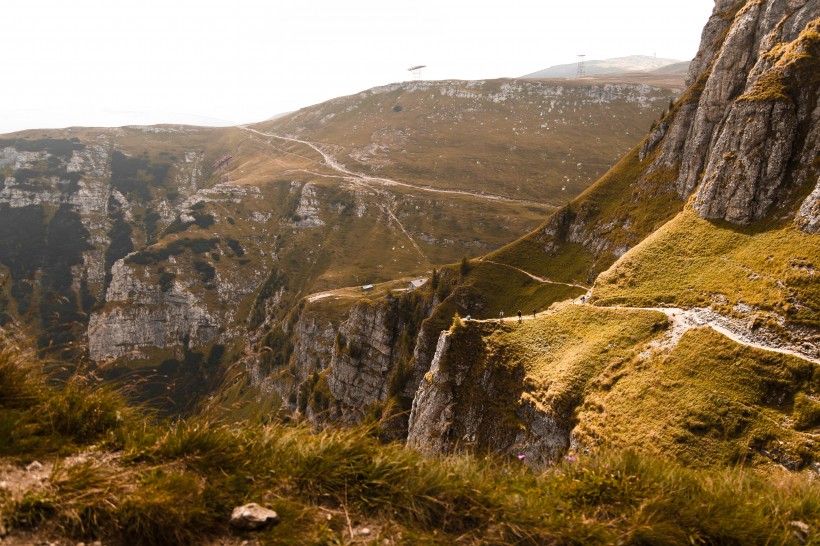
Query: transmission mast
pixel 582 69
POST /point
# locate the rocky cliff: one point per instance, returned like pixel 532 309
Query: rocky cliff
pixel 740 146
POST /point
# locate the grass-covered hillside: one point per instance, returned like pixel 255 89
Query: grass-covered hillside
pixel 627 378
pixel 543 141
pixel 76 464
pixel 763 268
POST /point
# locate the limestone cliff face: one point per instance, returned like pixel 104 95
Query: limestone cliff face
pixel 141 316
pixel 766 148
pixel 471 398
pixel 745 136
pixel 372 356
pixel 742 142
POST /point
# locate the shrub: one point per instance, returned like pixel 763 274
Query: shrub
pixel 83 412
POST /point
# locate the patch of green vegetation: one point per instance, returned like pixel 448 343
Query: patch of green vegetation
pixel 806 411
pixel 166 280
pixel 22 239
pixel 711 401
pixel 276 280
pixel 796 66
pixel 135 175
pixel 691 261
pixel 55 146
pixel 770 86
pixel 235 246
pixel 61 315
pixel 39 253
pixel 151 220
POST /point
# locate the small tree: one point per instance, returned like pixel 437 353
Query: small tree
pixel 458 324
pixel 465 266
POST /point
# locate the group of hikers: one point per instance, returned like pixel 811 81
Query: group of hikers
pixel 501 315
pixel 520 317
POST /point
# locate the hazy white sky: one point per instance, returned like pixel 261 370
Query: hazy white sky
pixel 117 62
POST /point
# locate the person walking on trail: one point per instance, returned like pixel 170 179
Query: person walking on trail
pixel 500 316
pixel 519 316
pixel 533 312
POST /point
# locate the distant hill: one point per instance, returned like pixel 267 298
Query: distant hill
pixel 676 69
pixel 632 63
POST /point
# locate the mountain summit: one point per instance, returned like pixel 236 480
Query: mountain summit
pixel 632 63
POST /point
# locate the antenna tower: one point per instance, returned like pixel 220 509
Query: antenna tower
pixel 582 69
pixel 416 70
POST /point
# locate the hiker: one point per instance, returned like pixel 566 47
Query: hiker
pixel 519 316
pixel 500 316
pixel 533 312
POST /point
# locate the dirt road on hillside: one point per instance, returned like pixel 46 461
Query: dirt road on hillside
pixel 354 176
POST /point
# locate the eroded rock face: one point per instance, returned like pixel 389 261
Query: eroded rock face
pixel 742 149
pixel 808 219
pixel 470 397
pixel 363 362
pixel 749 163
pixel 146 318
pixel 765 148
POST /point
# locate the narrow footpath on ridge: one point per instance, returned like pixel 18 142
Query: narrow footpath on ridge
pixel 682 320
pixel 535 277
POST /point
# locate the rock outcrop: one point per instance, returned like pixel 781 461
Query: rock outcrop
pixel 768 139
pixel 141 316
pixel 741 145
pixel 473 398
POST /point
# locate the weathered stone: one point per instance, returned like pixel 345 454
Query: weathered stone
pixel 252 517
pixel 151 318
pixel 800 531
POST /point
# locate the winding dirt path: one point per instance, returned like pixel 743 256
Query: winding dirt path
pixel 535 277
pixel 355 176
pixel 682 320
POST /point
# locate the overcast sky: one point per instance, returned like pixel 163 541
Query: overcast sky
pixel 118 62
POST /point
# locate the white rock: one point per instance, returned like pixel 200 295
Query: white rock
pixel 252 516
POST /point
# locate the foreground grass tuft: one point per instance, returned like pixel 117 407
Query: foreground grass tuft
pixel 131 481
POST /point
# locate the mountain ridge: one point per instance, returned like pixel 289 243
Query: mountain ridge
pixel 595 67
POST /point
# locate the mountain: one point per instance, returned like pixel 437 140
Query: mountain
pixel 166 247
pixel 632 63
pixel 687 281
pixel 650 350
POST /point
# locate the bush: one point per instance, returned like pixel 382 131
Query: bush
pixel 166 280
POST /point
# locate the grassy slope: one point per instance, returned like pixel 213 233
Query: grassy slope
pixel 620 210
pixel 691 262
pixel 711 401
pixel 157 484
pixel 543 141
